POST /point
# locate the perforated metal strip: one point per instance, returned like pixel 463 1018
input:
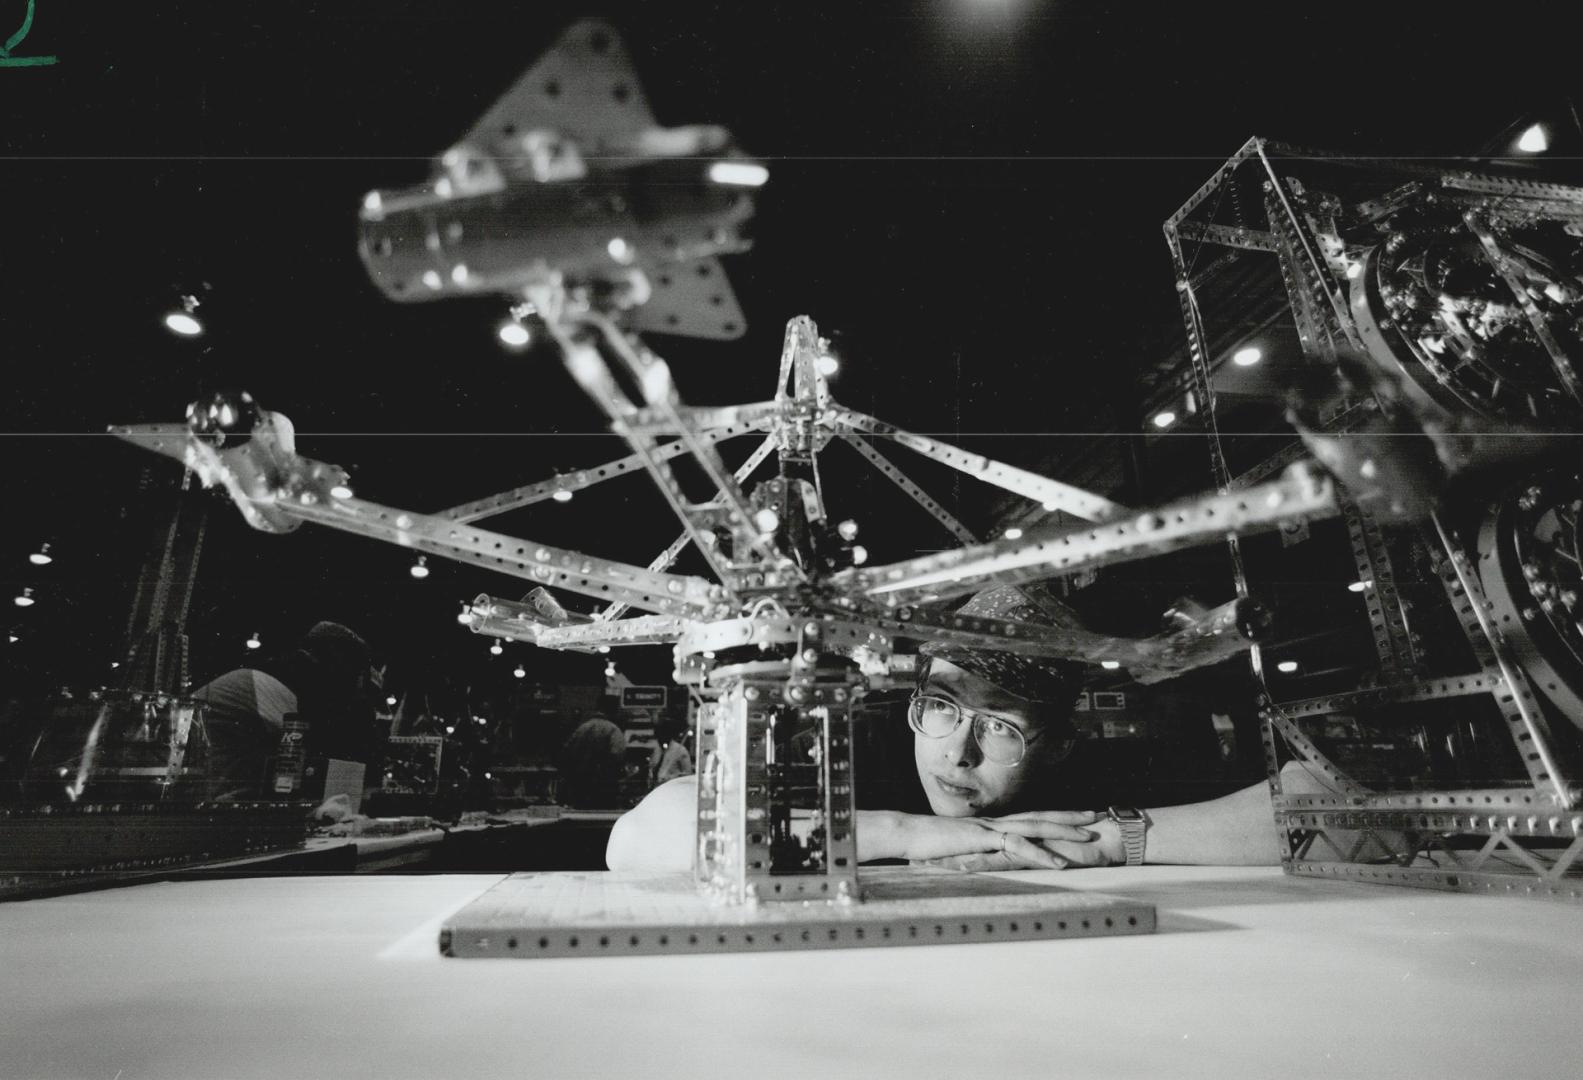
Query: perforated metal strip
pixel 1030 485
pixel 918 494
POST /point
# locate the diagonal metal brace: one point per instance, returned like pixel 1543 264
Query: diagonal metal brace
pixel 1051 551
pixel 1053 493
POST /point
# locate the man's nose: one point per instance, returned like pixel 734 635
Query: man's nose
pixel 961 749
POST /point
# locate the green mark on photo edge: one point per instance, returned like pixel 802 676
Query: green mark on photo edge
pixel 7 60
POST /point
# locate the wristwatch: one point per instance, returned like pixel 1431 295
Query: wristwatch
pixel 1133 823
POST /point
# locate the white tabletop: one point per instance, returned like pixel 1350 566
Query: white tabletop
pixel 1252 974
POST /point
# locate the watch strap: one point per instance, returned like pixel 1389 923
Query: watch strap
pixel 1133 825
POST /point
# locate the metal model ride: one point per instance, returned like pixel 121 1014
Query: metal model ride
pixel 1450 305
pixel 779 641
pixel 597 223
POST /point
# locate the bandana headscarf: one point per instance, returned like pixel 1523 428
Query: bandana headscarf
pixel 1052 682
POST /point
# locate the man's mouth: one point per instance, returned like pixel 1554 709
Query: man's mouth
pixel 956 791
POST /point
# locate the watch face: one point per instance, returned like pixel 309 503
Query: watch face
pixel 1126 813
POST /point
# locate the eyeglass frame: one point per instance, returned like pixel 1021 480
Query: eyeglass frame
pixel 963 712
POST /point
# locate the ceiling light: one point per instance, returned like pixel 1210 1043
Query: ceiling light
pixel 431 278
pixel 827 365
pixel 520 672
pixel 13 637
pixel 24 598
pixel 253 642
pixel 738 173
pixel 1359 586
pixel 859 554
pixel 41 557
pixel 1163 419
pixel 340 491
pixel 1286 667
pixel 1247 357
pixel 766 520
pixel 562 495
pixel 1534 141
pixel 420 569
pixel 1014 533
pixel 450 729
pixel 514 333
pixel 610 670
pixel 466 616
pixel 620 250
pixel 183 324
pixel 1110 665
pixel 496 649
pixel 390 700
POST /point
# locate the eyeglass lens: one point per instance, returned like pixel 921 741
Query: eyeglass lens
pixel 936 718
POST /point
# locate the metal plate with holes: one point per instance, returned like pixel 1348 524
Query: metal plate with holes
pixel 604 914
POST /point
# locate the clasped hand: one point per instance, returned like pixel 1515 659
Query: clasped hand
pixel 1037 840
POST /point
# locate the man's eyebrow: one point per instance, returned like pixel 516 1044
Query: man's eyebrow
pixel 1021 723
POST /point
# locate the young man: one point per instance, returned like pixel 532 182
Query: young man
pixel 991 735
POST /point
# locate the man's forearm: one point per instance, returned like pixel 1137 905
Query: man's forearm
pixel 1235 830
pixel 881 834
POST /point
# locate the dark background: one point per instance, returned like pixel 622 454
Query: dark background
pixel 965 194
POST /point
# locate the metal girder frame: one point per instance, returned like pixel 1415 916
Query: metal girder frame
pixel 528 494
pixel 1480 226
pixel 1515 698
pixel 1274 720
pixel 1553 199
pixel 664 559
pixel 1048 551
pixel 1252 147
pixel 1431 690
pixel 1393 643
pixel 754 416
pixel 918 494
pixel 305 490
pixel 1214 636
pixel 1483 811
pixel 1229 236
pixel 589 368
pixel 1521 866
pixel 643 630
pixel 1056 495
pixel 1323 323
pixel 670 594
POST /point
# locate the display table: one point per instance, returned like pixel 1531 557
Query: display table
pixel 1251 974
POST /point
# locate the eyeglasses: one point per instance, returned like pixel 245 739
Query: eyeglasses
pixel 936 717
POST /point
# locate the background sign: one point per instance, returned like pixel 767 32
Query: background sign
pixel 644 697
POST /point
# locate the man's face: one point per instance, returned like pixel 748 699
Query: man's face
pixel 957 779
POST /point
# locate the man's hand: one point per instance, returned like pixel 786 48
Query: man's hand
pixel 1042 840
